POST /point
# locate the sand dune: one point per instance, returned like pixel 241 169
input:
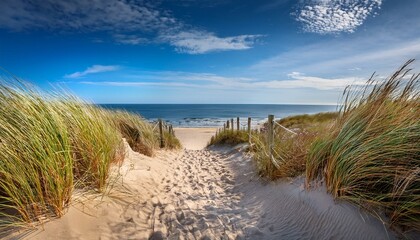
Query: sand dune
pixel 207 194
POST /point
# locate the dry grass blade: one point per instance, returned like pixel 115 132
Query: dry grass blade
pixel 372 154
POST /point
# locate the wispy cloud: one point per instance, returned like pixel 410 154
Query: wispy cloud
pixel 82 15
pixel 213 81
pixel 300 80
pixel 130 39
pixel 126 21
pixel 355 57
pixel 271 5
pixel 335 16
pixel 200 3
pixel 169 76
pixel 139 84
pixel 198 42
pixel 93 69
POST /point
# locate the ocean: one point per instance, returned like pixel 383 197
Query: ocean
pixel 214 115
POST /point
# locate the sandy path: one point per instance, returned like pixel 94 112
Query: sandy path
pixel 202 203
pixel 215 194
pixel 194 138
pixel 206 194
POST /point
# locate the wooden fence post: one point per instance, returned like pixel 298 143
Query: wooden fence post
pixel 249 130
pixel 231 123
pixel 161 133
pixel 224 126
pixel 237 124
pixel 270 135
pixel 227 124
pixel 171 130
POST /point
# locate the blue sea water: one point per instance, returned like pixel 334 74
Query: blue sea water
pixel 210 115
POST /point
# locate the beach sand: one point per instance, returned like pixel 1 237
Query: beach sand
pixel 210 193
pixel 194 138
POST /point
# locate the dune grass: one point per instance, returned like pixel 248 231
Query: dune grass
pixel 229 137
pixel 95 141
pixel 139 134
pixel 170 141
pixel 372 152
pixel 290 150
pixel 36 168
pixel 367 153
pixel 52 143
pixel 308 121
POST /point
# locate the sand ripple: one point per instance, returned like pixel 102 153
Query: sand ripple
pixel 215 194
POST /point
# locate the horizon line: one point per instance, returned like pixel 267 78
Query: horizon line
pixel 318 104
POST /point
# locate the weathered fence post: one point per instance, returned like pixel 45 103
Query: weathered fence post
pixel 237 124
pixel 270 135
pixel 231 123
pixel 171 130
pixel 227 124
pixel 249 130
pixel 224 126
pixel 161 133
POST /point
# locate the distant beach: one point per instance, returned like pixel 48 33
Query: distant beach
pixel 214 115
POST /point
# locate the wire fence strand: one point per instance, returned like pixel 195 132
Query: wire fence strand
pixel 285 128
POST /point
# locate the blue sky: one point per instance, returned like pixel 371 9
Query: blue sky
pixel 207 51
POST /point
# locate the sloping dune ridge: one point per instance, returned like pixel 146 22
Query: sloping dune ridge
pixel 207 194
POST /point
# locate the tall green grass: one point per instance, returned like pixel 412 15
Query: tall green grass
pixel 95 141
pixel 51 143
pixel 229 137
pixel 170 141
pixel 289 150
pixel 139 134
pixel 372 153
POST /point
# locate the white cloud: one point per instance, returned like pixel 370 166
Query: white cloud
pixel 187 76
pixel 125 20
pixel 213 81
pixel 93 69
pixel 81 15
pixel 354 57
pixel 139 84
pixel 300 80
pixel 198 42
pixel 335 16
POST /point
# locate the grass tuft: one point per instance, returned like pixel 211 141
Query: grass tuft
pixel 51 143
pixel 139 134
pixel 170 141
pixel 290 150
pixel 372 152
pixel 229 137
